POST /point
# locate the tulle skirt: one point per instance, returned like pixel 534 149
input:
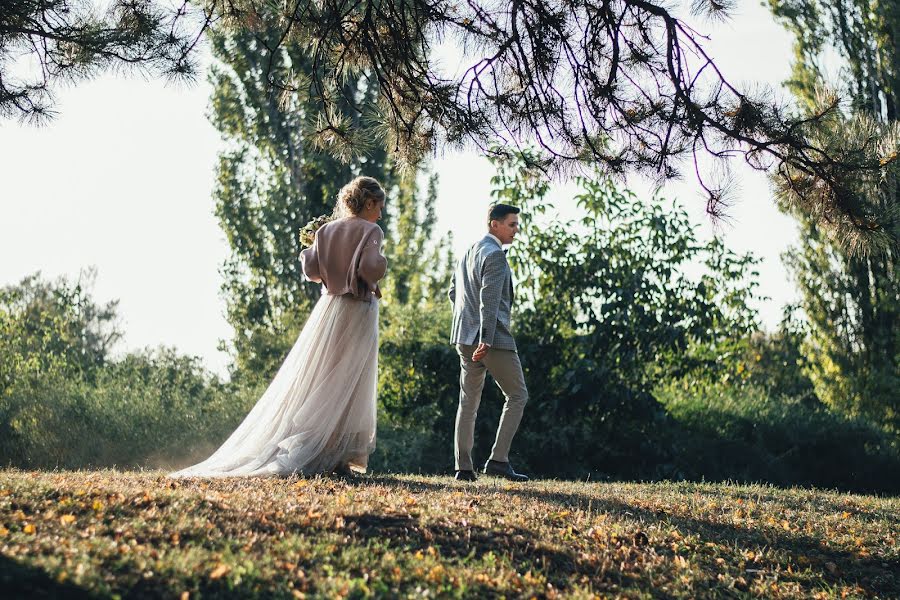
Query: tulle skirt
pixel 318 414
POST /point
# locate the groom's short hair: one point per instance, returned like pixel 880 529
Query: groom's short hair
pixel 498 212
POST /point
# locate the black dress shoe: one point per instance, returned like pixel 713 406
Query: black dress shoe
pixel 466 476
pixel 344 472
pixel 503 469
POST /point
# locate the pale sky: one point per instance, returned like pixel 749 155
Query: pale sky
pixel 122 180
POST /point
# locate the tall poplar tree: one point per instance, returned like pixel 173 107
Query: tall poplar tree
pixel 271 180
pixel 851 299
pixel 274 175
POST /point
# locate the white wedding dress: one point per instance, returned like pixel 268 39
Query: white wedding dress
pixel 318 414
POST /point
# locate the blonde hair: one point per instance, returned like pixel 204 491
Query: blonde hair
pixel 352 198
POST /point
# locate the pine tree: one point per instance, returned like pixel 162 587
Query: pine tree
pixel 624 84
pixel 71 40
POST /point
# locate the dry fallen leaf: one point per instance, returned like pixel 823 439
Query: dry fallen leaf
pixel 436 573
pixel 219 571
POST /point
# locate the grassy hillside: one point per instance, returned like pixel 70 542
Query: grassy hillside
pixel 103 533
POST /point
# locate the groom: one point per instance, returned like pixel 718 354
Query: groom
pixel 482 294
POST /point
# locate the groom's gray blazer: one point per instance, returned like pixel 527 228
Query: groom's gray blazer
pixel 482 295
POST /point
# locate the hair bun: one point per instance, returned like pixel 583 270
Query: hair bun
pixel 353 196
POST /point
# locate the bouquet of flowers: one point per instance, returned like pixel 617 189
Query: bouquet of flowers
pixel 308 231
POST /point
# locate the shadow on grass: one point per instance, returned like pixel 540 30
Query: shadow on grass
pixel 23 581
pixel 875 576
pixel 458 541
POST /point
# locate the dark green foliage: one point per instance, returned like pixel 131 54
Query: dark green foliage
pixel 749 433
pixel 53 325
pixel 776 362
pixel 48 331
pixel 852 304
pixel 606 311
pixel 417 393
pixel 150 409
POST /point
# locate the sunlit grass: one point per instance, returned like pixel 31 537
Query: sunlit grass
pixel 133 533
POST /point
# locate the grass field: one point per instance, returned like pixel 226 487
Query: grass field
pixel 136 534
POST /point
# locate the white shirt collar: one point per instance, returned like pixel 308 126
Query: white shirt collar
pixel 496 239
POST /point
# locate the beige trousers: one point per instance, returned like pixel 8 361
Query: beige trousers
pixel 506 369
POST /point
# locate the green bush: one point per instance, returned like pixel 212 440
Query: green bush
pixel 606 319
pixel 605 310
pixel 418 379
pixel 775 361
pixel 747 433
pixel 149 409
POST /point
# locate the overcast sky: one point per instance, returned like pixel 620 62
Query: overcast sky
pixel 122 179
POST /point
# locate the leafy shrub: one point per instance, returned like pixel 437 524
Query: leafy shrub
pixel 149 409
pixel 606 308
pixel 64 403
pixel 751 434
pixel 776 362
pixel 418 375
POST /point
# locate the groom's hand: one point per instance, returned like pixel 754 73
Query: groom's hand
pixel 480 351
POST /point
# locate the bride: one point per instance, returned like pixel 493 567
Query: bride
pixel 318 413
